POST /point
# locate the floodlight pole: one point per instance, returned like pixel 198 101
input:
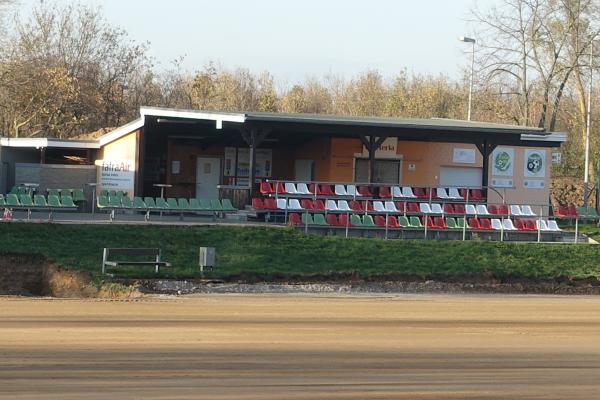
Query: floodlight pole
pixel 472 41
pixel 586 173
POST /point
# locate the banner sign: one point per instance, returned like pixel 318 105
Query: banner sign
pixel 534 164
pixel 387 149
pixel 506 183
pixel 262 168
pixel 117 174
pixel 534 184
pixel 502 161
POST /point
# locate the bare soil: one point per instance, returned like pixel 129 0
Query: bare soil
pixel 301 347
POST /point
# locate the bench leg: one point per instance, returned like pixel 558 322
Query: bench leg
pixel 104 255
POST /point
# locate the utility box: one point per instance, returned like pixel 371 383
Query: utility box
pixel 207 258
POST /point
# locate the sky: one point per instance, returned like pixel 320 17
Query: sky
pixel 295 40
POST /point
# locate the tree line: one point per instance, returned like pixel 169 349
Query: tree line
pixel 65 70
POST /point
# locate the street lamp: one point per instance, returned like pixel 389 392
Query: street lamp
pixel 472 41
pixel 588 123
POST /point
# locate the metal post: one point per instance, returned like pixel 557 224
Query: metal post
pixel 347 223
pixel 426 223
pixel 471 80
pixel 386 226
pixel 586 184
pixel 576 229
pixel 502 229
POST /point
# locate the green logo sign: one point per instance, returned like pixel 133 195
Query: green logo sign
pixel 534 163
pixel 502 161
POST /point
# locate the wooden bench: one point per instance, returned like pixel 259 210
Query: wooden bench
pixel 108 259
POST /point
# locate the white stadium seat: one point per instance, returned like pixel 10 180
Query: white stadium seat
pixel 281 204
pixel 515 210
pixel 407 192
pixel 302 188
pixel 482 209
pixel 496 224
pixel 441 193
pixel 526 210
pixel 470 209
pixel 436 208
pixel 340 190
pixel 351 190
pixel 294 204
pixel 454 194
pixel 553 226
pixel 541 225
pixel 378 206
pixel 390 206
pixel 396 191
pixel 342 205
pixel 331 205
pixel 425 209
pixel 508 225
pixel 290 188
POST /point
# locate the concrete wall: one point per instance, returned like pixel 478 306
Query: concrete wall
pixel 9 156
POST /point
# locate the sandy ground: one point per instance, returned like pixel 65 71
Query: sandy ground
pixel 301 347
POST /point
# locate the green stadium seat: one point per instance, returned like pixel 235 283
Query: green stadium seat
pixel 183 204
pixel 12 200
pixel 355 220
pixel 54 192
pixel 460 223
pixel 451 223
pixel 319 219
pixel 227 206
pixel 65 193
pixel 102 201
pixel 67 202
pixel 126 202
pixel 120 193
pixel 307 219
pixel 195 205
pixel 172 204
pixel 368 221
pixel 54 201
pixel 22 190
pixel 14 190
pixel 104 193
pixel 112 193
pixel 161 203
pixel 216 205
pixel 138 203
pixel 403 221
pixel 26 200
pixel 2 202
pixel 40 201
pixel 205 204
pixel 415 222
pixel 150 202
pixel 589 213
pixel 114 202
pixel 78 195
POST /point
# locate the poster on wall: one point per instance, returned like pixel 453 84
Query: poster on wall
pixel 229 161
pixel 387 149
pixel 534 184
pixel 463 156
pixel 116 174
pixel 534 163
pixel 502 161
pixel 263 163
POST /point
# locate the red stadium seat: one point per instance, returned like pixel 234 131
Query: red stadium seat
pixel 439 223
pixel 307 204
pixel 364 191
pixel 463 193
pixel 379 221
pixel 343 220
pixel 294 219
pixel 393 222
pixel 401 206
pixel 368 205
pixel 332 220
pixel 266 188
pixel 257 203
pixel 485 223
pixel 420 193
pixel 448 209
pixel 427 219
pixel 318 204
pixel 280 188
pixel 356 206
pixel 573 211
pixel 384 192
pixel 476 194
pixel 493 209
pixel 530 225
pixel 474 223
pixel 270 204
pixel 325 190
pixel 433 193
pixel 520 224
pixel 503 209
pixel 459 209
pixel 413 208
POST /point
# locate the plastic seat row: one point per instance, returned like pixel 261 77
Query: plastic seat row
pixel 571 211
pixel 25 201
pixel 160 204
pixel 289 188
pixel 380 221
pixel 390 207
pixel 76 194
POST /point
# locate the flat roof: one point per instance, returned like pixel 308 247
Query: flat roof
pixel 49 142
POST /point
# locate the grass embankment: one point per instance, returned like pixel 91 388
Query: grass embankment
pixel 273 254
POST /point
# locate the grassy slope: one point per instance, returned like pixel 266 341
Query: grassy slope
pixel 273 252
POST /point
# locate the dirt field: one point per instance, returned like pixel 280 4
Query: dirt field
pixel 301 347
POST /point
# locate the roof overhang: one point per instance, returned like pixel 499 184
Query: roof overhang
pixel 40 143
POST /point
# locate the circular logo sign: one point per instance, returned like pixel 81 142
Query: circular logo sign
pixel 534 163
pixel 502 161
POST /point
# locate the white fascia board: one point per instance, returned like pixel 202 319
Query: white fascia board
pixel 121 131
pixel 190 114
pixel 49 142
pixel 24 142
pixel 558 137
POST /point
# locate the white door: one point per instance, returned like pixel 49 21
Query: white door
pixel 208 174
pixel 304 170
pixel 460 176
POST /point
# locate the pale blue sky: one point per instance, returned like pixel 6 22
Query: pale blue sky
pixel 299 39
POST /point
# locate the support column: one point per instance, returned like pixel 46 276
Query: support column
pixel 253 139
pixel 486 150
pixel 372 143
